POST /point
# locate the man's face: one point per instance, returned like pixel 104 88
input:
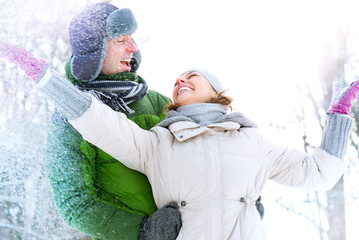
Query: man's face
pixel 118 56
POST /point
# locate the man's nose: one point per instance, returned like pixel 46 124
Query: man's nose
pixel 131 47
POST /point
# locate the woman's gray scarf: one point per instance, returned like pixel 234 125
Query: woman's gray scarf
pixel 205 114
pixel 116 94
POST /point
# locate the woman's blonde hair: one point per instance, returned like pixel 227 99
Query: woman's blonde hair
pixel 219 98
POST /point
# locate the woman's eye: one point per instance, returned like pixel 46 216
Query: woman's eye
pixel 192 75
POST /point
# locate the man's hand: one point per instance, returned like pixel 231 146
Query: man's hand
pixel 164 224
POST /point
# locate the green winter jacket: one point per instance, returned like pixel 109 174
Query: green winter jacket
pixel 95 193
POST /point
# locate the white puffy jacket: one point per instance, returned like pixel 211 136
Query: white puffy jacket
pixel 215 173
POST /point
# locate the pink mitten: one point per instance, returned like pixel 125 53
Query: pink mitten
pixel 33 67
pixel 343 98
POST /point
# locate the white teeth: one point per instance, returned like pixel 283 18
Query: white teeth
pixel 184 89
pixel 126 60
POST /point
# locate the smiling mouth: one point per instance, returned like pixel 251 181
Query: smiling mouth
pixel 126 62
pixel 184 89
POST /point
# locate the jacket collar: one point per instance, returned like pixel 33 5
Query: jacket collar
pixel 185 130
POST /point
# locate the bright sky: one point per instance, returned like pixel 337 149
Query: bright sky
pixel 258 48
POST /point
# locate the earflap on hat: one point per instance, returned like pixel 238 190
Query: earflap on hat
pixel 88 66
pixel 136 61
pixel 121 22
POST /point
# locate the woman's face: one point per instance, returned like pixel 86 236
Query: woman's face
pixel 192 87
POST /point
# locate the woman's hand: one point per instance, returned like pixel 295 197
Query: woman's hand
pixel 343 98
pixel 33 67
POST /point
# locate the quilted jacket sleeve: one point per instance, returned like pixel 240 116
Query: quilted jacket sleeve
pixel 318 171
pixel 116 135
pixel 77 207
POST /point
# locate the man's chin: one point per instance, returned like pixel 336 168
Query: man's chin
pixel 125 69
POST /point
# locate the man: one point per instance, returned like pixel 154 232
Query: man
pixel 95 193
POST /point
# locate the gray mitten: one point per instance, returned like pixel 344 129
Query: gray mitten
pixel 165 224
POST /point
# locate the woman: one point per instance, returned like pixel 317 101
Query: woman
pixel 213 163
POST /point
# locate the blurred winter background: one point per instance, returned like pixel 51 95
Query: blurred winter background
pixel 277 57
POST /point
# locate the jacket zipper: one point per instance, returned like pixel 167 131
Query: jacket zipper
pixel 221 183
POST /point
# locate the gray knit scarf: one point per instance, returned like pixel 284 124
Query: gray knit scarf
pixel 117 94
pixel 205 114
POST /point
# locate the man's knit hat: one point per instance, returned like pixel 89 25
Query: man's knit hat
pixel 90 32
